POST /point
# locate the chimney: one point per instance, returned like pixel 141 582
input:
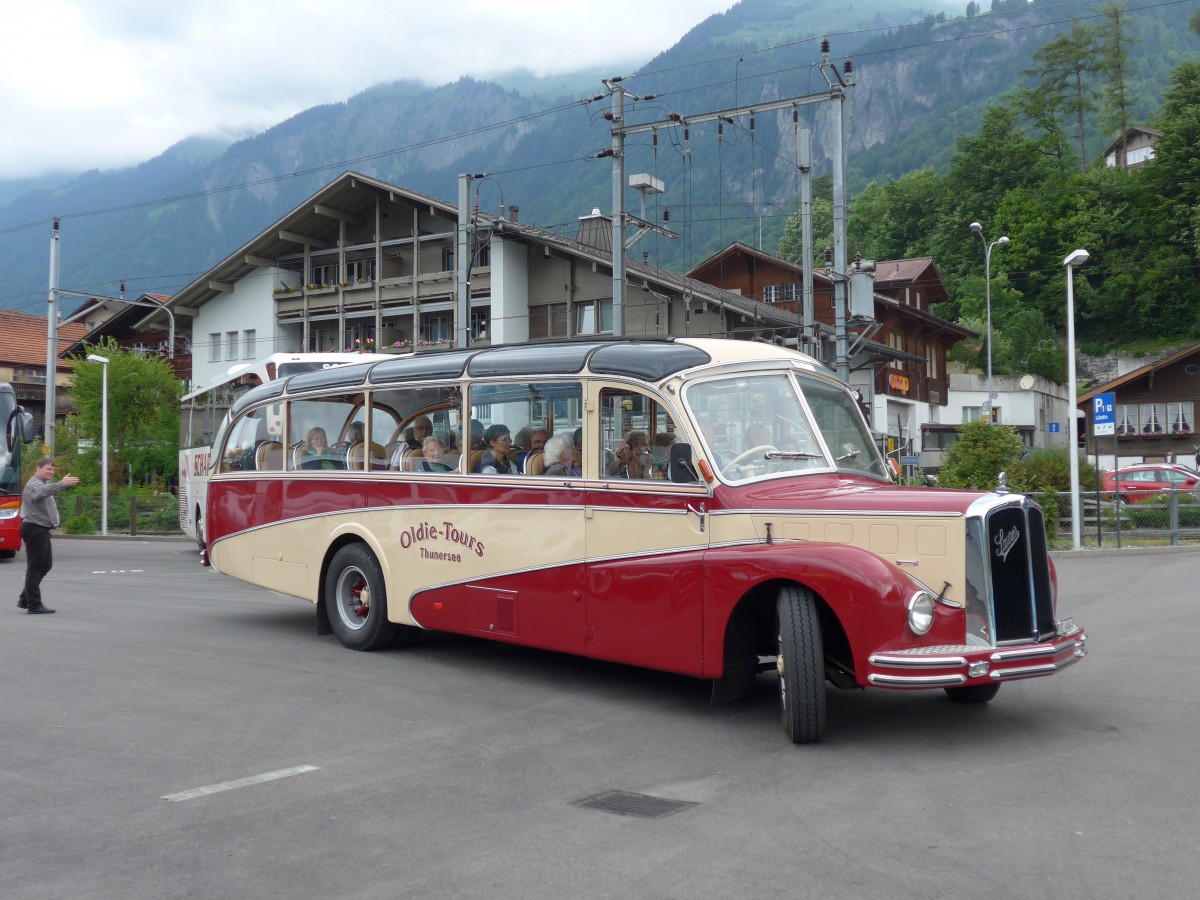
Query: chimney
pixel 512 213
pixel 595 231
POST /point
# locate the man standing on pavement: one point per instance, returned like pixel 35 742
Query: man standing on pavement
pixel 39 513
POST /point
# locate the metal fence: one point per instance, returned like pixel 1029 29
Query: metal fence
pixel 1165 518
pixel 126 515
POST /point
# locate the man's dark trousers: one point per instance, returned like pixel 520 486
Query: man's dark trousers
pixel 38 561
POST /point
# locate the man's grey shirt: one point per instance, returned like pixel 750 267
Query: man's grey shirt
pixel 37 502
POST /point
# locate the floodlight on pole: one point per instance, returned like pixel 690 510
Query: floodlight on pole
pixel 987 277
pixel 1076 259
pixel 103 361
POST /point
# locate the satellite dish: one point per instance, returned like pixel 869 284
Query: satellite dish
pixel 1027 382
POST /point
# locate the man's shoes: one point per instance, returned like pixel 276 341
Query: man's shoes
pixel 39 610
pixel 21 604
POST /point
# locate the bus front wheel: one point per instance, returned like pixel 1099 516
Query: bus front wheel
pixel 801 664
pixel 355 600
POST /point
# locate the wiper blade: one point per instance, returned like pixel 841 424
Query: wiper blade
pixel 791 454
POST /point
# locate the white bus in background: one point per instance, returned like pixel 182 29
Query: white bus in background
pixel 204 410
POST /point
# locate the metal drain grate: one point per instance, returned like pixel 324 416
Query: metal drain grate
pixel 624 803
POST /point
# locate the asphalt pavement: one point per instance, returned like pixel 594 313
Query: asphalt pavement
pixel 171 733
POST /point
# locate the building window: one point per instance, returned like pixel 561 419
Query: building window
pixel 775 293
pixel 435 329
pixel 1182 417
pixel 896 342
pixel 931 362
pixel 139 348
pixel 360 271
pixel 29 376
pixel 1152 419
pixel 448 259
pixel 1139 156
pixel 479 324
pixel 214 347
pixel 322 339
pixel 231 345
pixel 1127 420
pixel 548 321
pixel 323 276
pixel 248 342
pixel 593 317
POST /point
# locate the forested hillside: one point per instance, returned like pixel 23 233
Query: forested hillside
pixel 1020 175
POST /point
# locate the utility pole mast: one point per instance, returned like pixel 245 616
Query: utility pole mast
pixel 620 131
pixel 51 344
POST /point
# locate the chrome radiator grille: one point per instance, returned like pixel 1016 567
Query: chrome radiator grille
pixel 1010 588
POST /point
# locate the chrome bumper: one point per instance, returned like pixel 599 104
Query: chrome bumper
pixel 954 666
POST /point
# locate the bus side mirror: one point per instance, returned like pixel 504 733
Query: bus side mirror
pixel 19 426
pixel 680 468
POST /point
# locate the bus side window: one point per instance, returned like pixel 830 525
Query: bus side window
pixel 244 437
pixel 531 414
pixel 319 426
pixel 636 436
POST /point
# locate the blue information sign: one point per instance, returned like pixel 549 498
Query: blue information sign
pixel 1104 417
pixel 1052 427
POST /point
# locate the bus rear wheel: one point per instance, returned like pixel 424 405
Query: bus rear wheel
pixel 7 554
pixel 801 664
pixel 355 600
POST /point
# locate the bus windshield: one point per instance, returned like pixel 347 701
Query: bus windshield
pixel 780 424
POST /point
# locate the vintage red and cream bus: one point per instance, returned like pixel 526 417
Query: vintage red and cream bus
pixel 709 507
pixel 203 410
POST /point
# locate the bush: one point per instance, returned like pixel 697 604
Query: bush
pixel 80 524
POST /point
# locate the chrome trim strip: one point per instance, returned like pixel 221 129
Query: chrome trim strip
pixel 916 662
pixel 1034 671
pixel 1034 652
pixel 916 681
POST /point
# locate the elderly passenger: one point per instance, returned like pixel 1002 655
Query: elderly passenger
pixel 559 456
pixel 432 461
pixel 496 441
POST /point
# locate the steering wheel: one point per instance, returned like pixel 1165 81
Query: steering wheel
pixel 746 454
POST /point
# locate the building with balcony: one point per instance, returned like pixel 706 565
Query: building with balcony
pixel 363 264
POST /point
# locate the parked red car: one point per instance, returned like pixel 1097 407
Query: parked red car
pixel 1143 481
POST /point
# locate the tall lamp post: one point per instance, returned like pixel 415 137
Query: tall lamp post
pixel 96 358
pixel 987 277
pixel 1078 258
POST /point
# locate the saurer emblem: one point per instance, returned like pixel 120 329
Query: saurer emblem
pixel 1005 541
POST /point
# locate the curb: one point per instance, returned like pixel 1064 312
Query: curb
pixel 1121 551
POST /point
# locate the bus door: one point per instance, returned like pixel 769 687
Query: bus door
pixel 531 569
pixel 646 537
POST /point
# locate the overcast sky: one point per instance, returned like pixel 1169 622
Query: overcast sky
pixel 106 83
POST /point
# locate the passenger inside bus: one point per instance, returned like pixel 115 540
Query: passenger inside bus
pixel 632 459
pixel 497 440
pixel 316 452
pixel 559 457
pixel 431 459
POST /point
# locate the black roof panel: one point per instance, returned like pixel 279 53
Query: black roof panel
pixel 645 360
pixel 439 364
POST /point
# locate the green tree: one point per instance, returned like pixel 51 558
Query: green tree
pixel 980 454
pixel 143 414
pixel 1064 65
pixel 1120 96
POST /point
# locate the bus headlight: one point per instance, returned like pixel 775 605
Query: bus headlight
pixel 920 612
pixel 9 512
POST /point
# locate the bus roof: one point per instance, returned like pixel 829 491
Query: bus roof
pixel 646 358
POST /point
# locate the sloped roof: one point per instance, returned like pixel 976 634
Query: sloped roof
pixel 123 319
pixel 1127 133
pixel 1136 374
pixel 903 271
pixel 25 337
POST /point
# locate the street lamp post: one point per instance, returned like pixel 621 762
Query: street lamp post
pixel 103 361
pixel 987 278
pixel 1078 258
